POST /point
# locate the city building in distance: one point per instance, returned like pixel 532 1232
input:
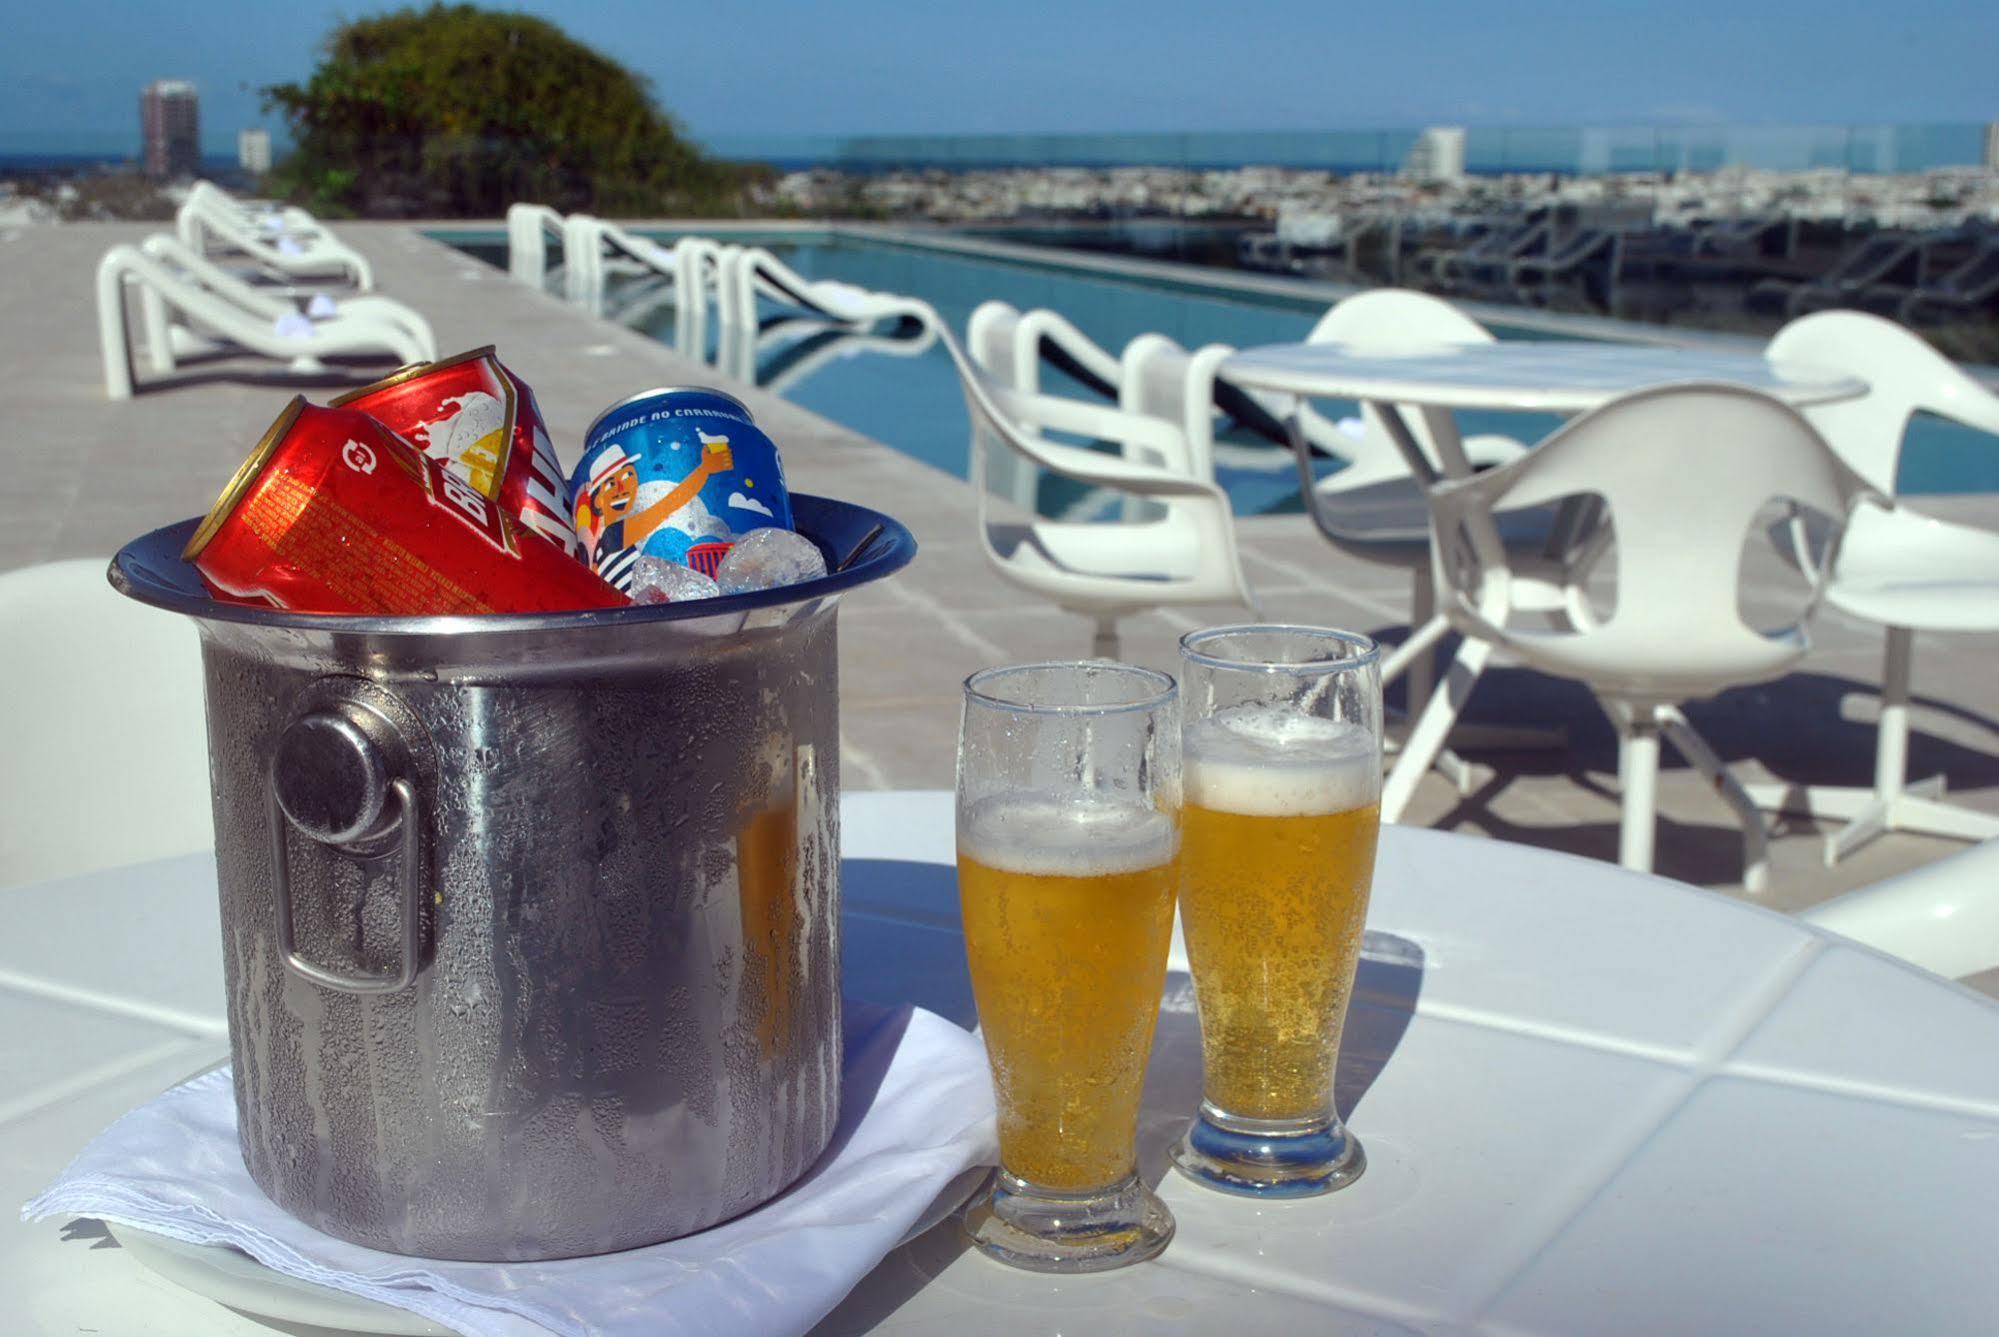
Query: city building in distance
pixel 253 151
pixel 170 122
pixel 1438 156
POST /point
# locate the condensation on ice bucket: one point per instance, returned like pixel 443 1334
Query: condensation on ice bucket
pixel 530 921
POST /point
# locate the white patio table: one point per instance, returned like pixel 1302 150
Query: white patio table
pixel 1592 1101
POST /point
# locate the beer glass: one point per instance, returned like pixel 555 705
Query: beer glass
pixel 1281 788
pixel 1067 788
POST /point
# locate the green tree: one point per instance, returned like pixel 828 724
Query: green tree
pixel 454 110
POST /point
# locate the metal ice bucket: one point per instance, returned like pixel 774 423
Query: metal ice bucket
pixel 531 923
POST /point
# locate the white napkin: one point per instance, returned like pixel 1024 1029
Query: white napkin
pixel 916 1112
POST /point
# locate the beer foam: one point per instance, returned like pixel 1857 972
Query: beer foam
pixel 1054 837
pixel 1270 761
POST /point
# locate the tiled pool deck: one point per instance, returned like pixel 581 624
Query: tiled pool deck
pixel 83 474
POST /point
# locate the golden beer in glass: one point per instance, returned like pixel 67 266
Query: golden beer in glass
pixel 1067 938
pixel 1281 782
pixel 1067 872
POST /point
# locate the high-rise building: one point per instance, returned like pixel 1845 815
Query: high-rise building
pixel 1438 156
pixel 253 151
pixel 1992 146
pixel 170 121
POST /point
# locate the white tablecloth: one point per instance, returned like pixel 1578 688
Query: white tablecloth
pixel 1593 1102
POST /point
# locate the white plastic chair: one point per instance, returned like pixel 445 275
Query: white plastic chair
pixel 1684 472
pixel 1010 346
pixel 301 247
pixel 1387 320
pixel 1183 553
pixel 1943 916
pixel 1905 571
pixel 175 292
pixel 106 760
pixel 167 340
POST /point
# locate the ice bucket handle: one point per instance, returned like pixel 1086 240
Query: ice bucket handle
pixel 329 778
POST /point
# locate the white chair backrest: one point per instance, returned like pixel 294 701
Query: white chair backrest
pixel 1903 375
pixel 1160 378
pixel 1385 320
pixel 1943 916
pixel 1009 344
pixel 1684 471
pixel 989 338
pixel 106 758
pixel 1016 418
pixel 1041 328
pixel 1390 318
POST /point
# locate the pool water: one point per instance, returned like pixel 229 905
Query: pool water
pixel 914 404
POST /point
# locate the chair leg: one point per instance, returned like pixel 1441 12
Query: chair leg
pixel 1415 653
pixel 1433 727
pixel 1891 740
pixel 1894 803
pixel 153 320
pixel 1417 646
pixel 1755 835
pixel 1106 644
pixel 1638 766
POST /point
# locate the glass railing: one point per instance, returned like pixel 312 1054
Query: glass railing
pixel 1567 150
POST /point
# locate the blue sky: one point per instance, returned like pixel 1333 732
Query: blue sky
pixel 70 72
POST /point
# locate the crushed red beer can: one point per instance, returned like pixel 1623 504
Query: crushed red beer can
pixel 482 422
pixel 335 513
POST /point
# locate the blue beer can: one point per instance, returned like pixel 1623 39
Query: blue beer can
pixel 680 472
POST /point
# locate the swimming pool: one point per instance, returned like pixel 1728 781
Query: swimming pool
pixel 908 397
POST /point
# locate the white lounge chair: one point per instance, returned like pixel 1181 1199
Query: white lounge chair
pixel 1183 553
pixel 217 316
pixel 699 269
pixel 169 340
pixel 1943 916
pixel 300 248
pixel 529 227
pixel 1902 570
pixel 753 271
pixel 594 247
pixel 270 217
pixel 75 650
pixel 1685 472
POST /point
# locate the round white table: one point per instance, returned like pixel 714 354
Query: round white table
pixel 1592 1101
pixel 1544 376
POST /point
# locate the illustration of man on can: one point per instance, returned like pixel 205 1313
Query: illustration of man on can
pixel 615 526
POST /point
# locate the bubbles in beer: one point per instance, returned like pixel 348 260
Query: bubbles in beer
pixel 1053 837
pixel 1272 761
